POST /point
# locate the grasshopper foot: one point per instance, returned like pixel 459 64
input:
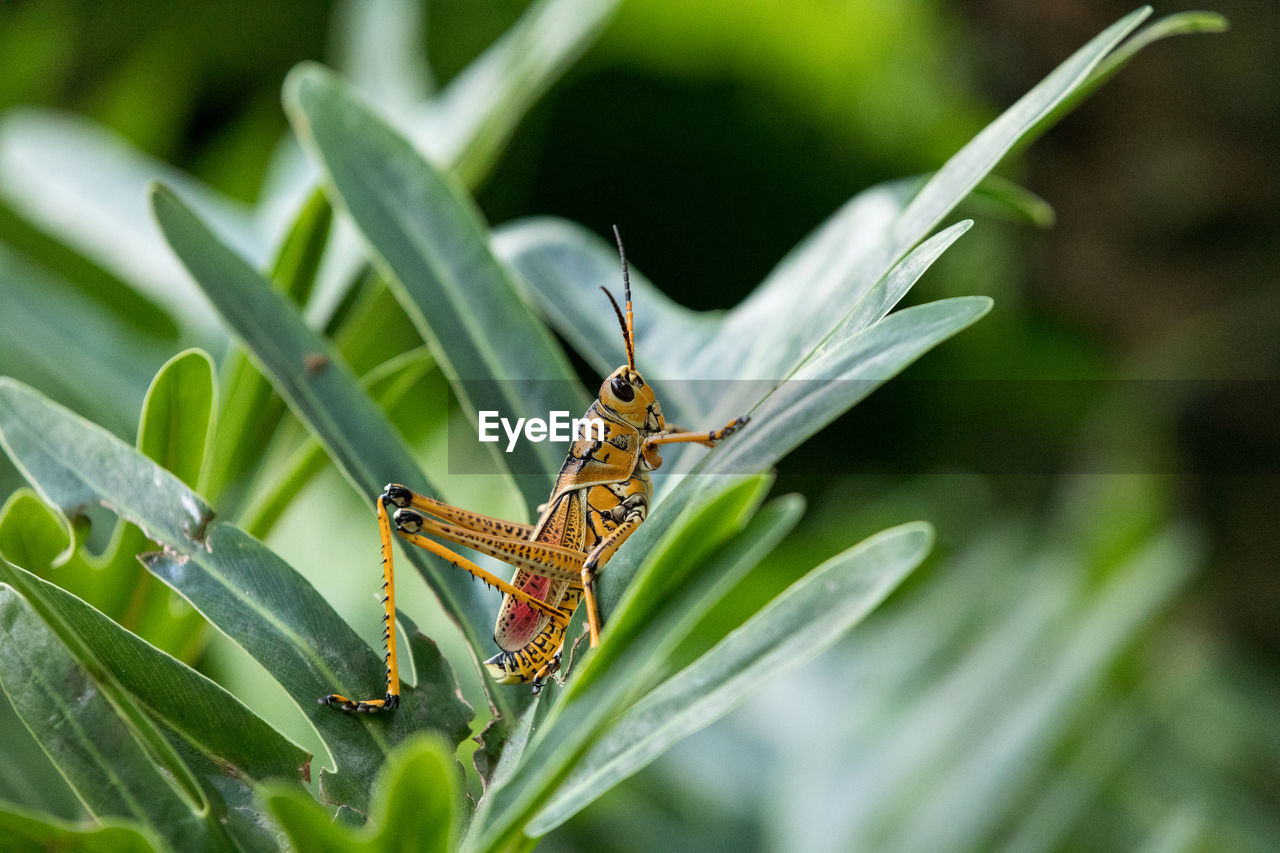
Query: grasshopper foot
pixel 361 706
pixel 730 428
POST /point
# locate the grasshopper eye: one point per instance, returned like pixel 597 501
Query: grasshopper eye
pixel 622 389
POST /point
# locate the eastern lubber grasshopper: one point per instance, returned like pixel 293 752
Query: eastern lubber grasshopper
pixel 600 497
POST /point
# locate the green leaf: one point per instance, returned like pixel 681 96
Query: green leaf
pixel 416 806
pixel 557 260
pixel 306 823
pixel 85 357
pixel 418 797
pixel 34 536
pixel 297 261
pixel 73 463
pixel 684 552
pixel 27 778
pixel 997 196
pixel 487 340
pixel 563 266
pixel 271 612
pixel 177 415
pixel 389 384
pixel 886 293
pixel 27 831
pixel 325 396
pixel 468 124
pixel 1183 23
pixel 239 585
pixel 838 376
pixel 82 183
pixel 187 702
pixel 980 155
pixel 792 629
pixel 622 667
pixel 381 47
pixel 465 127
pixel 814 287
pixel 97 748
pixel 1059 662
pixel 845 373
pixel 114 302
pixel 251 410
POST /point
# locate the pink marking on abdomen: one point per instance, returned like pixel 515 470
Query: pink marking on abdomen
pixel 524 619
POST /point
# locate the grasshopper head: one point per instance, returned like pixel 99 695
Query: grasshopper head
pixel 626 396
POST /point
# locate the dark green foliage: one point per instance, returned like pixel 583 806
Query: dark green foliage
pixel 159 756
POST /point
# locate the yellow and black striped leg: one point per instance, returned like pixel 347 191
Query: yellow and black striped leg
pixel 596 560
pixel 392 697
pixel 408 523
pixel 544 558
pixel 464 518
pixel 547 671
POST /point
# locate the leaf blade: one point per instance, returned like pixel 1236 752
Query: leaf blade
pixel 462 301
pixel 239 585
pixel 111 836
pixel 97 750
pixel 187 702
pixel 329 399
pixel 799 624
pixel 177 415
pixel 471 120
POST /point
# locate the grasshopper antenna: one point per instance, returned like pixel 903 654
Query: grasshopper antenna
pixel 628 334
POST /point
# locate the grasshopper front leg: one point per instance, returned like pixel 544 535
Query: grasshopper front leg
pixel 706 437
pixel 600 555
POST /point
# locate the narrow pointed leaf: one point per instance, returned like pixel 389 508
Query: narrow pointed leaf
pixel 381 45
pixel 83 732
pixel 1183 23
pixel 325 396
pixel 28 780
pixel 306 823
pixel 86 357
pixel 842 374
pixel 462 300
pixel 816 284
pixel 388 384
pixel 418 797
pixel 250 409
pixel 73 463
pixel 271 612
pixel 620 669
pixel 416 806
pixel 889 290
pixel 177 413
pixel 1003 750
pixel 187 702
pixel 563 266
pixel 41 832
pixel 980 155
pixel 792 629
pixel 235 582
pixel 83 183
pixel 467 125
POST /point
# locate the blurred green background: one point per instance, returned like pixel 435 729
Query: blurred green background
pixel 1114 420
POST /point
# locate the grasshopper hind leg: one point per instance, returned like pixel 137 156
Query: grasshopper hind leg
pixel 552 667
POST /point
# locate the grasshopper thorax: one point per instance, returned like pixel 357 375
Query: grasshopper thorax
pixel 626 396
